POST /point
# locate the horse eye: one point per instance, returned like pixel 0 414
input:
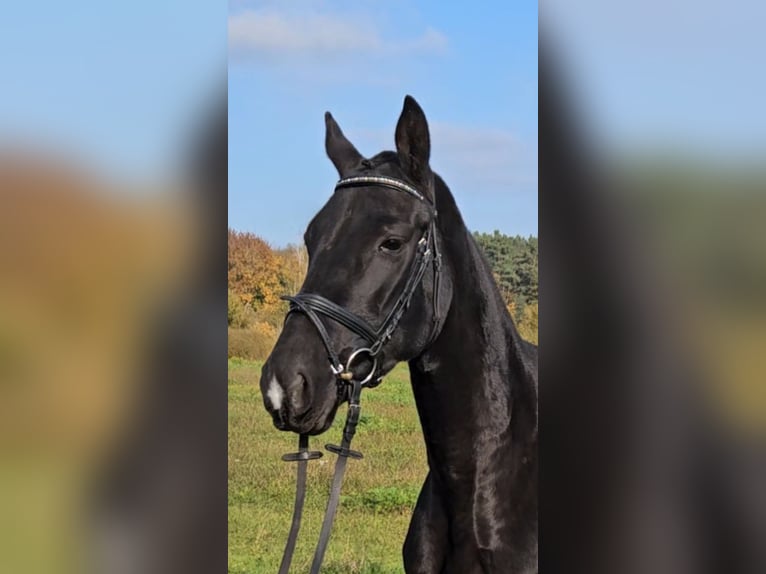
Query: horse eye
pixel 391 245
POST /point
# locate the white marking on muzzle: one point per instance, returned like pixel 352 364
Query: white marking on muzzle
pixel 275 394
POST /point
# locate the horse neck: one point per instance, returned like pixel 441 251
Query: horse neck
pixel 475 383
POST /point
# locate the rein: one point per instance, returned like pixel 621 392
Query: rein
pixel 313 306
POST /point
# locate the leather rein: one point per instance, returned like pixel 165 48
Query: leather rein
pixel 314 307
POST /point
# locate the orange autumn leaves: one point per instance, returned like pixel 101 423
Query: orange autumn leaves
pixel 254 270
pixel 258 275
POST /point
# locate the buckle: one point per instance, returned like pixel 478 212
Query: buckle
pixel 348 375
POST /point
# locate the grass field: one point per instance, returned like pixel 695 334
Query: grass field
pixel 379 491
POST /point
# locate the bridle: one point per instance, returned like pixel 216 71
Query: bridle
pixel 314 307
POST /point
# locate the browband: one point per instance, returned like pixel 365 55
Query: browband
pixel 382 181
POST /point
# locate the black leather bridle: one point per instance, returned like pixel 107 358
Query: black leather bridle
pixel 314 307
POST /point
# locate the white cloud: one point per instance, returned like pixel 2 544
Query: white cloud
pixel 472 159
pixel 431 41
pixel 271 33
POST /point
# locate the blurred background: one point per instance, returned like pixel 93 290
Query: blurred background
pixel 112 202
pixel 652 285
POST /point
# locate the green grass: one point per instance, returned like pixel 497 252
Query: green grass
pixel 379 491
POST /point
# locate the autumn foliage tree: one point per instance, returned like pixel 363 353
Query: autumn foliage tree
pixel 254 270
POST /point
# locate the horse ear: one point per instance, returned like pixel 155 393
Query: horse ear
pixel 413 143
pixel 341 152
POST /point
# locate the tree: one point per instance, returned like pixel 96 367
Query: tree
pixel 514 264
pixel 293 262
pixel 254 270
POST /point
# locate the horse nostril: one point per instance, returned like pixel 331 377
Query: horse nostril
pixel 304 383
pixel 301 391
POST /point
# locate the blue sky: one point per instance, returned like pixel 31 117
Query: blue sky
pixel 685 75
pixel 119 85
pixel 474 72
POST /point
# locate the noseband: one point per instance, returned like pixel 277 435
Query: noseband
pixel 313 306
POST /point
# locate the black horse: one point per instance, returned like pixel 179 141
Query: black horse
pixel 473 377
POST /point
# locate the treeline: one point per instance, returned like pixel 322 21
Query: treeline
pixel 258 274
pixel 514 264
